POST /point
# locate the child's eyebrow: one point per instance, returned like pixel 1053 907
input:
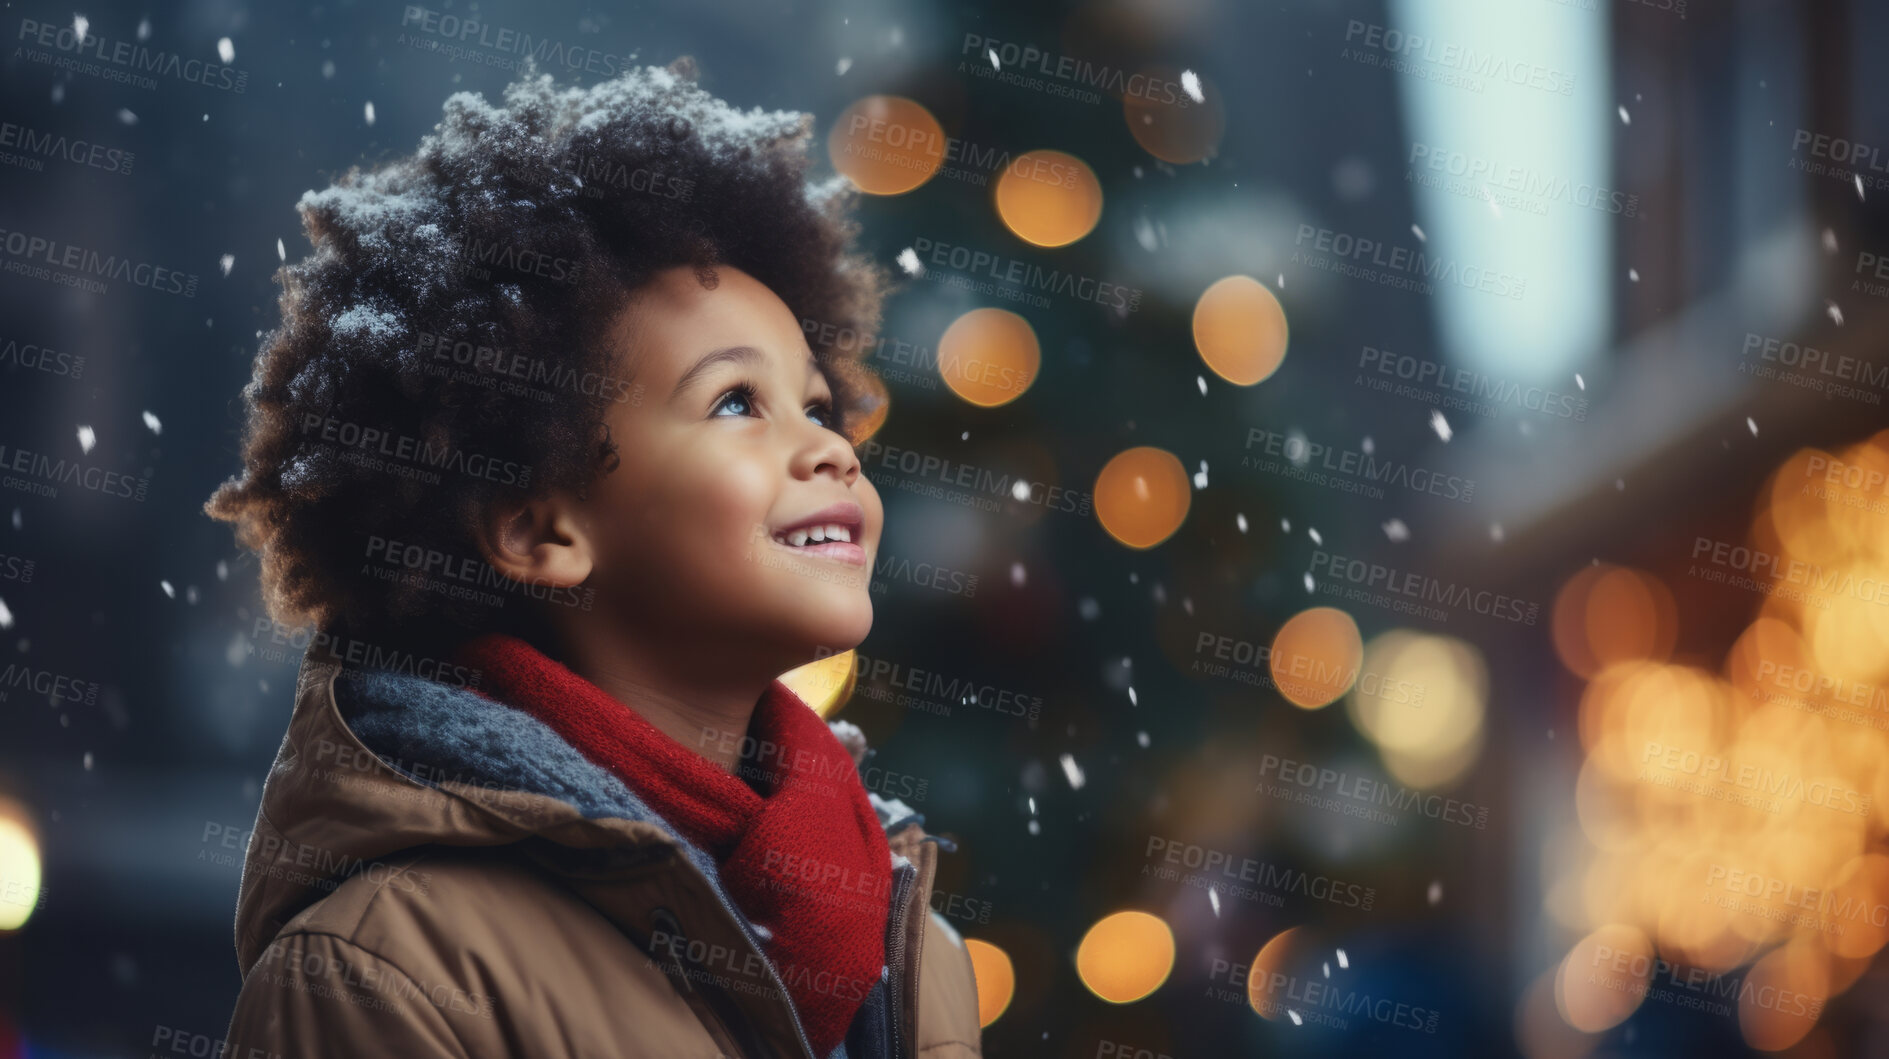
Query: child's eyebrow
pixel 724 355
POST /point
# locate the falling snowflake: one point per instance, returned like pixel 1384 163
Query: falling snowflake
pixel 1835 314
pixel 1436 893
pixel 87 439
pixel 1072 771
pixel 1213 898
pixel 226 262
pixel 842 66
pixel 991 53
pixel 1240 521
pixel 1142 738
pixel 79 25
pixel 1440 425
pixel 1310 585
pixel 281 252
pixel 1418 232
pixel 1625 118
pixel 1285 525
pixel 1021 490
pixel 1497 533
pixel 88 761
pixel 1859 185
pixel 222 570
pixel 151 421
pixel 1578 381
pixel 226 51
pixel 168 590
pixel 126 116
pixel 1201 381
pixel 908 260
pixel 1133 699
pixel 1017 575
pixel 1369 445
pixel 6 616
pixel 369 111
pixel 144 29
pixel 1396 530
pixel 1344 962
pixel 1312 532
pixel 1829 241
pixel 1190 83
pixel 1200 476
pixel 1296 1020
pixel 1753 424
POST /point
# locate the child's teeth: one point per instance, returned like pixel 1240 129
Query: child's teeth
pixel 797 538
pixel 818 533
pixel 838 533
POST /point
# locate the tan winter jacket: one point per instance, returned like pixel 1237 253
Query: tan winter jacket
pixel 465 883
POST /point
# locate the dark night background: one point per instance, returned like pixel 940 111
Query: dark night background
pixel 1695 113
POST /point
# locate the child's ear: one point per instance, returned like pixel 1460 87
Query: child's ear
pixel 540 541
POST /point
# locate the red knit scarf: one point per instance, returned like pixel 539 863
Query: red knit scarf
pixel 808 860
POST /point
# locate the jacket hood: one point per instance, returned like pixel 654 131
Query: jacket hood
pixel 377 763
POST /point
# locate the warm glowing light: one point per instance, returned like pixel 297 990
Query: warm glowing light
pixel 1240 330
pixel 1270 982
pixel 1142 496
pixel 1782 996
pixel 886 145
pixel 996 979
pixel 1422 699
pixel 19 867
pixel 1049 198
pixel 1603 977
pixel 1168 122
pixel 1125 956
pixel 989 357
pixel 1606 614
pixel 1316 656
pixel 824 684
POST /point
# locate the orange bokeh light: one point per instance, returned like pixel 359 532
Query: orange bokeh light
pixel 1240 330
pixel 989 357
pixel 1142 496
pixel 1049 198
pixel 1125 956
pixel 996 979
pixel 1316 656
pixel 1168 122
pixel 886 145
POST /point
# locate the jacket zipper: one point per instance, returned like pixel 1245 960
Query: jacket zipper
pixel 773 977
pixel 907 876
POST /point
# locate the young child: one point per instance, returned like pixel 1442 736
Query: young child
pixel 542 451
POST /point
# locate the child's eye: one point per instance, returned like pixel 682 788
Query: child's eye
pixel 822 413
pixel 740 398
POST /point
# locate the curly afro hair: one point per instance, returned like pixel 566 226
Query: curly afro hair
pixel 444 346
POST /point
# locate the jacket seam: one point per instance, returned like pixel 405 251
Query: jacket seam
pixel 303 932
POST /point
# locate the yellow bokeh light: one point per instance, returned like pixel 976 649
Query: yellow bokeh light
pixel 989 357
pixel 1125 956
pixel 1422 699
pixel 1142 496
pixel 1240 330
pixel 19 867
pixel 1049 198
pixel 824 684
pixel 996 979
pixel 886 145
pixel 1316 656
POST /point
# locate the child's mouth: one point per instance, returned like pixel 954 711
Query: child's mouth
pixel 834 540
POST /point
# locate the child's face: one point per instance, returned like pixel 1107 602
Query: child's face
pixel 693 531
